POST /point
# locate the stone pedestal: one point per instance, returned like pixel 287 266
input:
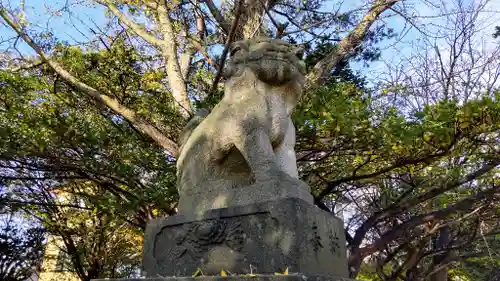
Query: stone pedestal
pixel 260 238
pixel 292 277
pixel 216 196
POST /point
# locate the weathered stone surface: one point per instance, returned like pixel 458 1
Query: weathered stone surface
pixel 291 277
pixel 248 138
pixel 214 197
pixel 262 238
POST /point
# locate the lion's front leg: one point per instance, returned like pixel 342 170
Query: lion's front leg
pixel 256 148
pixel 285 153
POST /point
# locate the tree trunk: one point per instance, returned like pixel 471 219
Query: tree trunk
pixel 173 68
pixel 251 20
pixel 347 47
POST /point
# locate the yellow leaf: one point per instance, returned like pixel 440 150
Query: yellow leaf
pixel 286 271
pixel 398 148
pixel 197 272
pixel 223 273
pixel 427 137
pixel 277 273
pixel 358 160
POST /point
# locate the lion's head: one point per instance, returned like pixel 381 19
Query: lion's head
pixel 273 61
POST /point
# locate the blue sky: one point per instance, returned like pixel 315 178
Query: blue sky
pixel 82 17
pixel 41 14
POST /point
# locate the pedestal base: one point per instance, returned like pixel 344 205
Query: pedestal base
pixel 291 277
pixel 261 238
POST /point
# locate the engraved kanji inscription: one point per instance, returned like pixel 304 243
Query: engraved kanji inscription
pixel 334 242
pixel 315 238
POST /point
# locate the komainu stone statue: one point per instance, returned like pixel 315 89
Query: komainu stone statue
pixel 243 150
pixel 242 208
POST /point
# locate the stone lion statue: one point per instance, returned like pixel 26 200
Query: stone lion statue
pixel 247 140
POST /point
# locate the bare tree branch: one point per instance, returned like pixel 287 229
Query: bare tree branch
pixel 204 52
pixel 31 65
pixel 462 206
pixel 218 16
pixel 218 76
pixel 139 30
pixel 347 46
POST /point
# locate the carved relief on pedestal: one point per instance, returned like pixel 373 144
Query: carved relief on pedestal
pixel 194 240
pixel 267 236
pixel 199 237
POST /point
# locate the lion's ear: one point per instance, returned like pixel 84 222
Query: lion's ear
pixel 237 47
pixel 233 70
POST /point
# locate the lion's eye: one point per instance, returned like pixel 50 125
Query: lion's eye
pixel 299 54
pixel 235 50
